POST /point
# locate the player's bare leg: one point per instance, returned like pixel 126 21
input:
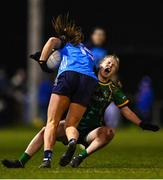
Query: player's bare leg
pixel 73 118
pixel 57 106
pixel 96 139
pixel 37 142
pixel 99 138
pixel 34 146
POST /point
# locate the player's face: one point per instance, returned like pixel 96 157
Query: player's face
pixel 98 37
pixel 108 67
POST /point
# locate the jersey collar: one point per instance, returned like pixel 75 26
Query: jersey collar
pixel 104 84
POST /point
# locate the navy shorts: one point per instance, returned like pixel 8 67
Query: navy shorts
pixel 78 87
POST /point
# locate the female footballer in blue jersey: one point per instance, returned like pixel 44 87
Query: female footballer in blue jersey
pixel 94 132
pixel 73 87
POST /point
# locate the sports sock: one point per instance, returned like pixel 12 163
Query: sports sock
pixel 72 141
pixel 47 155
pixel 83 154
pixel 24 158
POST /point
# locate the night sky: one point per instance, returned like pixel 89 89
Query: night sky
pixel 135 30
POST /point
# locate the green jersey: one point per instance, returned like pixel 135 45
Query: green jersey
pixel 104 94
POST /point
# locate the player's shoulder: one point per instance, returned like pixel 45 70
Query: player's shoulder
pixel 72 47
pixel 115 87
pixel 114 84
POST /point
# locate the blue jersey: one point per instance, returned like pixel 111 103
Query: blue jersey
pixel 99 54
pixel 77 58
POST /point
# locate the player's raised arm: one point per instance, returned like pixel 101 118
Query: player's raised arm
pixel 42 57
pixel 52 43
pixel 131 116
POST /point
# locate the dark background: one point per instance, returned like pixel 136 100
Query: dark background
pixel 134 27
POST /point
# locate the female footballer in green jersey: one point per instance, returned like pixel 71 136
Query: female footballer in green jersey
pixel 94 134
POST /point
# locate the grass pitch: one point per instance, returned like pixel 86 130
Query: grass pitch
pixel 133 153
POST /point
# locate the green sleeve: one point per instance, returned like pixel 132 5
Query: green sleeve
pixel 119 98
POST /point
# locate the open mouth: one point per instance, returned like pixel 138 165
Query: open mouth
pixel 107 70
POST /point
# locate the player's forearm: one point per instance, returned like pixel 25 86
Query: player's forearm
pixel 130 115
pixel 52 43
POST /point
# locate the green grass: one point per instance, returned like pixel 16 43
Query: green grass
pixel 132 154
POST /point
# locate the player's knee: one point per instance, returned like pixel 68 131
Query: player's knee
pixel 52 123
pixel 53 118
pixel 108 134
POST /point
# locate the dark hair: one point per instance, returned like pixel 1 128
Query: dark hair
pixel 66 29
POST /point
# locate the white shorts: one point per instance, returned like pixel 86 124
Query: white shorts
pixel 112 116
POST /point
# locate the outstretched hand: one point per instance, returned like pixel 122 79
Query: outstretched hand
pixel 43 64
pixel 148 126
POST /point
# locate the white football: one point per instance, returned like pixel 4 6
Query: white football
pixel 54 60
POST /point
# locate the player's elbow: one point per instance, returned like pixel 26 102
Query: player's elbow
pixel 53 40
